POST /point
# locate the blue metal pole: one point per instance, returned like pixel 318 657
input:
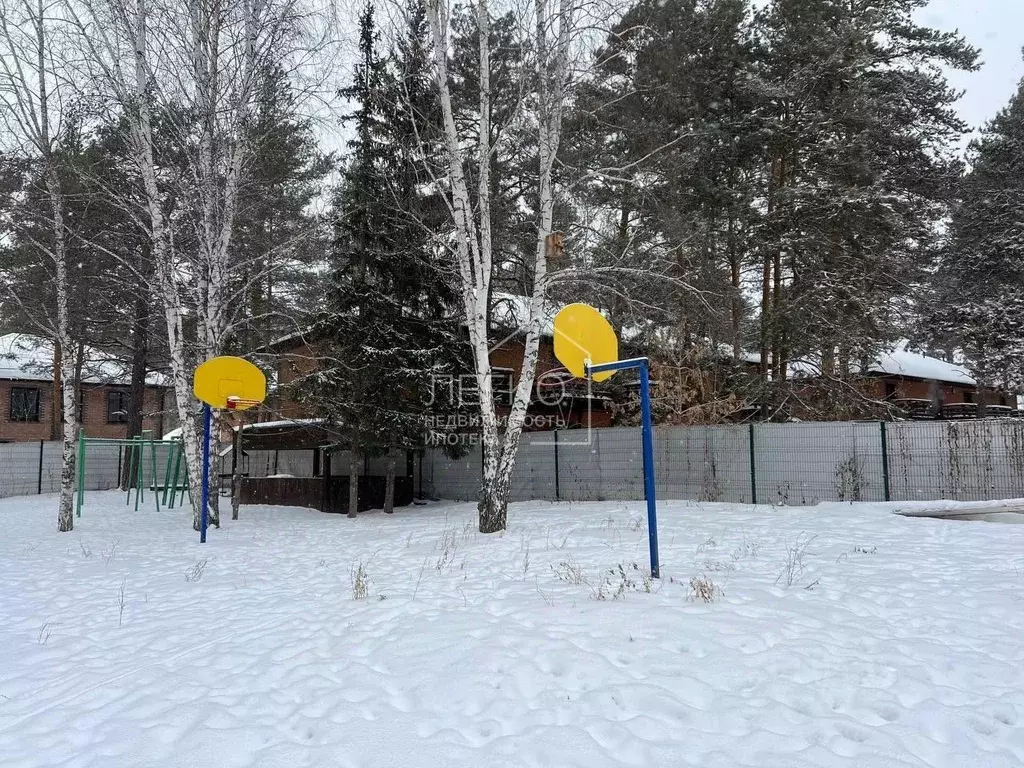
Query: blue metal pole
pixel 206 471
pixel 648 440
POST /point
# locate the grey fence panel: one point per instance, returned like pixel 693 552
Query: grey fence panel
pixel 805 463
pixel 965 460
pixel 579 465
pixel 102 463
pixel 620 463
pixel 19 468
pixel 456 479
pixel 534 474
pixel 704 463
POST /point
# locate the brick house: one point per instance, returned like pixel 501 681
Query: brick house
pixel 557 400
pixel 28 389
pixel 923 385
pixel 916 385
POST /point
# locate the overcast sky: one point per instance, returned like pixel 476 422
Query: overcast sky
pixel 997 28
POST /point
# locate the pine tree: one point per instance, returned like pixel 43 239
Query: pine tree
pixel 860 159
pixel 671 110
pixel 277 241
pixel 977 302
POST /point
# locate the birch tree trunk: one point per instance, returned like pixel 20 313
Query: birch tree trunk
pixel 473 246
pixel 28 64
pixel 69 414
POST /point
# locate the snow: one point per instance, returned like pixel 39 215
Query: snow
pixel 511 311
pixel 897 361
pixel 901 362
pixel 899 644
pixel 30 358
pixel 279 423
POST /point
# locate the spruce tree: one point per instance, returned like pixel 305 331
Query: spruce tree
pixel 977 303
pixel 391 332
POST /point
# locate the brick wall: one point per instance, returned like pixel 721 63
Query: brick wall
pixel 897 387
pixel 94 398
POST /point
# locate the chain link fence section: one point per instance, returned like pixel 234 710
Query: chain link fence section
pixel 794 464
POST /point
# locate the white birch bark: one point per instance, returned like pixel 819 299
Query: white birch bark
pixel 210 65
pixel 27 73
pixel 473 246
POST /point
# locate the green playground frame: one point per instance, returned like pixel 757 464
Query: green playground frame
pixel 175 472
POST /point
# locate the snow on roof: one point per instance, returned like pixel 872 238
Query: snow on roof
pixel 280 423
pixel 25 357
pixel 901 362
pixel 898 361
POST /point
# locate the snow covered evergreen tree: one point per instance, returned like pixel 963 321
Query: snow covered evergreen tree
pixel 390 327
pixel 977 304
pixel 860 161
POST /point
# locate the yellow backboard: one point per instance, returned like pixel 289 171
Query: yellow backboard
pixel 221 379
pixel 582 333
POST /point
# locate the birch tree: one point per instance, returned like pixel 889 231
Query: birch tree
pixel 200 79
pixel 34 98
pixel 553 29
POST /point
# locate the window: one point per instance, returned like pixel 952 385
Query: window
pixel 890 390
pixel 117 407
pixel 968 397
pixel 24 404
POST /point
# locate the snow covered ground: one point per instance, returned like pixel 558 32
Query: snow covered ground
pixel 836 635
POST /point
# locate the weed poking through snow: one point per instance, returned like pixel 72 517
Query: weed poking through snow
pixel 360 582
pixel 620 580
pixel 794 566
pixel 569 570
pixel 120 603
pixel 195 573
pixel 704 589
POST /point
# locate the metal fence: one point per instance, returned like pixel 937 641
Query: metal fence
pixel 32 468
pixel 794 464
pixel 800 463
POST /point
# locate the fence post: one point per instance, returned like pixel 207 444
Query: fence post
pixel 753 468
pixel 558 496
pixel 885 461
pixel 39 478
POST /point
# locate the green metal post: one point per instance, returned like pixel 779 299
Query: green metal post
pixel 129 470
pixel 885 462
pixel 753 468
pixel 167 472
pixel 138 472
pixel 174 476
pixel 152 461
pixel 81 472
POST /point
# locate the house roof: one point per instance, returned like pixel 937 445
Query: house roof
pixel 897 361
pixel 901 362
pixel 24 357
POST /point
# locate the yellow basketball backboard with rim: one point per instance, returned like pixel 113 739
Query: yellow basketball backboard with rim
pixel 582 333
pixel 229 382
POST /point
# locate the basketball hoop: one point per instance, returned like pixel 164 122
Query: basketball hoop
pixel 233 403
pixel 211 383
